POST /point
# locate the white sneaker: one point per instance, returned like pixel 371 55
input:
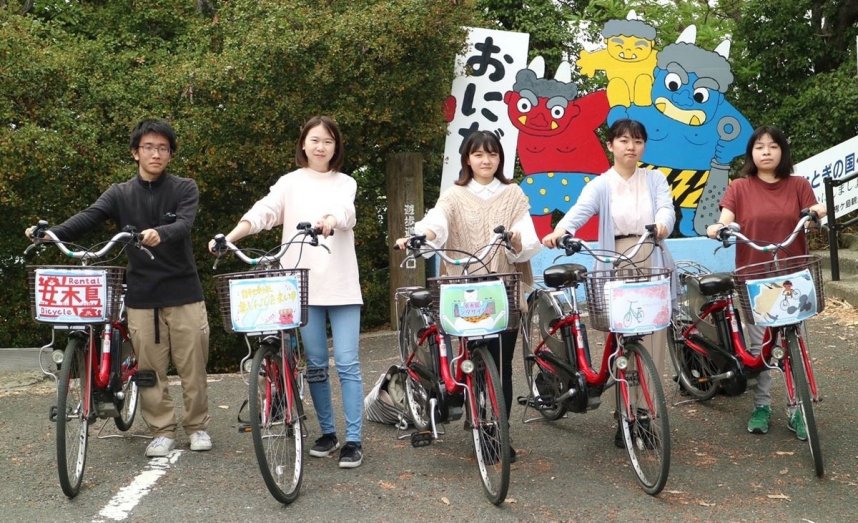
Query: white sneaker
pixel 200 440
pixel 160 447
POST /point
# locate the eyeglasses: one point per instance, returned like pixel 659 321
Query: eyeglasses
pixel 150 149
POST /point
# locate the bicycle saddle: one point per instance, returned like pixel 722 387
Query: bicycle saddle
pixel 420 298
pixel 714 283
pixel 564 275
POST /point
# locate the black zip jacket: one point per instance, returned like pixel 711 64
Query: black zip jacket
pixel 168 205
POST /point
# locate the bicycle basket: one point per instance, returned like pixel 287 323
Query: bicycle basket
pixel 782 292
pixel 476 305
pixel 629 300
pixel 262 301
pixel 75 294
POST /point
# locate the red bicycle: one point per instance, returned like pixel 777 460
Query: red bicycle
pixel 628 302
pixel 441 385
pixel 706 340
pixel 98 375
pixel 269 303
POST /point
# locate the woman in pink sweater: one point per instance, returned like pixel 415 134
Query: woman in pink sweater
pixel 318 193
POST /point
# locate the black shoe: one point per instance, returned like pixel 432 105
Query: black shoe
pixel 325 445
pixel 351 456
pixel 645 431
pixel 618 437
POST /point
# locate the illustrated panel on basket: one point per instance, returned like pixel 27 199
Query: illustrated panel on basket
pixel 629 300
pixel 263 301
pixel 73 295
pixel 781 292
pixel 476 305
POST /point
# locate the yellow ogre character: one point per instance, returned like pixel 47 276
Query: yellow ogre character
pixel 628 61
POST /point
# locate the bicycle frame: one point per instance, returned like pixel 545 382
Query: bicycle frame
pixel 732 343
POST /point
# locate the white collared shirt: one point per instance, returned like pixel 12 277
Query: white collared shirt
pixel 631 205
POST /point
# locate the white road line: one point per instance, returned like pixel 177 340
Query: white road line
pixel 120 507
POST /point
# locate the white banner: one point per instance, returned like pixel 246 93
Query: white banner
pixel 835 163
pixel 483 75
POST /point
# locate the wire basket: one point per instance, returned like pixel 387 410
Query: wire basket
pixel 597 297
pixel 772 270
pixel 75 294
pixel 511 282
pixel 222 287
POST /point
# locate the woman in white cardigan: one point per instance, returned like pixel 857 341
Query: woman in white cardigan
pixel 626 198
pixel 318 193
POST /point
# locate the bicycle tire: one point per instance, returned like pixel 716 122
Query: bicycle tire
pixel 693 369
pixel 553 385
pixel 72 422
pixel 127 406
pixel 804 399
pixel 417 395
pixel 489 426
pixel 276 425
pixel 647 436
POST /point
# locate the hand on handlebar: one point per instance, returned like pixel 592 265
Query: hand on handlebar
pixel 325 226
pixel 550 239
pixel 410 242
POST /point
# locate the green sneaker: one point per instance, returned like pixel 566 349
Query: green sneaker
pixel 759 422
pixel 796 424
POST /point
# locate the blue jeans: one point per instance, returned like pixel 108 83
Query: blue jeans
pixel 345 327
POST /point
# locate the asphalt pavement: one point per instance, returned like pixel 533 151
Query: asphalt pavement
pixel 567 470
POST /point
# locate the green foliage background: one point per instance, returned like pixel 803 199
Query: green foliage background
pixel 238 77
pixel 237 85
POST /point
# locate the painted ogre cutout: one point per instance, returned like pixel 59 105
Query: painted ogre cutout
pixel 628 60
pixel 694 132
pixel 557 145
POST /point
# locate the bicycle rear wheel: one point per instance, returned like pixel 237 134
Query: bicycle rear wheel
pixel 72 422
pixel 643 418
pixel 417 395
pixel 542 386
pixel 693 369
pixel 489 426
pixel 276 425
pixel 804 399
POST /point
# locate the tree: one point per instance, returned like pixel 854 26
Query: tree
pixel 237 85
pixel 795 69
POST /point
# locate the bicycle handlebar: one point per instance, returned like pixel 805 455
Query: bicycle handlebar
pixel 42 235
pixel 305 229
pixel 732 230
pixel 417 246
pixel 574 245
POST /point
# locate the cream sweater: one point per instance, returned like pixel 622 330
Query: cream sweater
pixel 305 195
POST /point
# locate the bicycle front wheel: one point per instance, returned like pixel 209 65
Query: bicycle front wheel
pixel 489 426
pixel 693 369
pixel 130 394
pixel 416 392
pixel 542 387
pixel 72 422
pixel 276 425
pixel 804 399
pixel 643 418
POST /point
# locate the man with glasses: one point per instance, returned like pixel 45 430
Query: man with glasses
pixel 166 313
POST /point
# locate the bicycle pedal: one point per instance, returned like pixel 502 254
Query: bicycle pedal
pixel 421 439
pixel 244 428
pixel 145 378
pixel 53 413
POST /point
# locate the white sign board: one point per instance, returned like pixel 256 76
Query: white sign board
pixel 483 75
pixel 835 163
